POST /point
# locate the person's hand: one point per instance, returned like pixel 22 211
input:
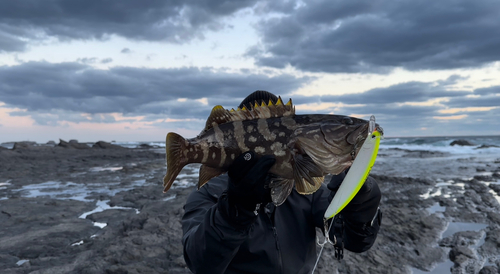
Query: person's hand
pixel 247 184
pixel 364 205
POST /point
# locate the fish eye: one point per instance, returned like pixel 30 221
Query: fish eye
pixel 347 121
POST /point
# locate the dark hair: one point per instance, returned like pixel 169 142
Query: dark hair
pixel 259 96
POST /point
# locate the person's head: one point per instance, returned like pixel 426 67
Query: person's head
pixel 259 96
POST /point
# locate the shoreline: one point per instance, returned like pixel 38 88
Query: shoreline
pixel 42 230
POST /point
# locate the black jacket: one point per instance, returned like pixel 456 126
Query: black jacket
pixel 281 240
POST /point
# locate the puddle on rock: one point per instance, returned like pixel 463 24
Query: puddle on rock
pixel 436 208
pixel 77 243
pixel 495 195
pixel 73 191
pixel 171 197
pixel 454 227
pixel 21 262
pixel 443 267
pixel 100 168
pixel 101 206
pixel 55 190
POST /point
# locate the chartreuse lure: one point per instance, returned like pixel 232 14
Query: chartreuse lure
pixel 353 181
pixel 357 174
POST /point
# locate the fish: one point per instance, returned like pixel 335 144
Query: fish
pixel 306 147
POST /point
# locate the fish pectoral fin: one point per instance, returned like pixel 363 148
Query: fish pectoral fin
pixel 207 173
pixel 280 189
pixel 305 187
pixel 304 169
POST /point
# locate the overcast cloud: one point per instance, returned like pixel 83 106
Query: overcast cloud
pixel 175 81
pixel 43 86
pixel 175 21
pixel 377 36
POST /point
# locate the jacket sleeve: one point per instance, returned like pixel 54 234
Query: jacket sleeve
pixel 356 237
pixel 210 240
pixel 359 237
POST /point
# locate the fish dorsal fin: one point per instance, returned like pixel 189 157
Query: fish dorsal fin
pixel 219 115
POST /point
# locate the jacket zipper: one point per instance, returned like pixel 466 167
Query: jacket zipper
pixel 270 215
pixel 280 263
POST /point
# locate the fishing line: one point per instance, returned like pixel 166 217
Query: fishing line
pixel 327 240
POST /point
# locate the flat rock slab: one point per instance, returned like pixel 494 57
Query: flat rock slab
pixel 141 231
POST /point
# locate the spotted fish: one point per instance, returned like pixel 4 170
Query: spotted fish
pixel 306 147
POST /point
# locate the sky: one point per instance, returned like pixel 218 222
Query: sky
pixel 135 70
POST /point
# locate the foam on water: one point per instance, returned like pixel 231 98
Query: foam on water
pixel 132 144
pixel 183 183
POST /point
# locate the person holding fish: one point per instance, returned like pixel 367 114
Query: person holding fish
pixel 262 216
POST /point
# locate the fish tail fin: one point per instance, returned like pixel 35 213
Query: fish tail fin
pixel 174 146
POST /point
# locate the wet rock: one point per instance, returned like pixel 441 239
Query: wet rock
pixel 63 143
pixel 106 145
pixel 51 235
pixel 489 270
pixel 8 261
pixel 461 142
pixel 51 143
pixel 423 154
pixel 462 238
pixel 486 146
pixel 72 144
pixel 23 145
pixel 459 252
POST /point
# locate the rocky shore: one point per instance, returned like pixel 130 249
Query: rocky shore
pixel 66 208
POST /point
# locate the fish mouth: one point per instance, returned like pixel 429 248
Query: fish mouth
pixel 359 135
pixel 379 129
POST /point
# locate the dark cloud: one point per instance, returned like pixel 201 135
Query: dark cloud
pixel 489 90
pixel 482 97
pixel 377 36
pixel 40 87
pixel 106 60
pixel 483 101
pixel 399 93
pixel 404 109
pixel 126 50
pixel 10 42
pixel 87 60
pixel 175 21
